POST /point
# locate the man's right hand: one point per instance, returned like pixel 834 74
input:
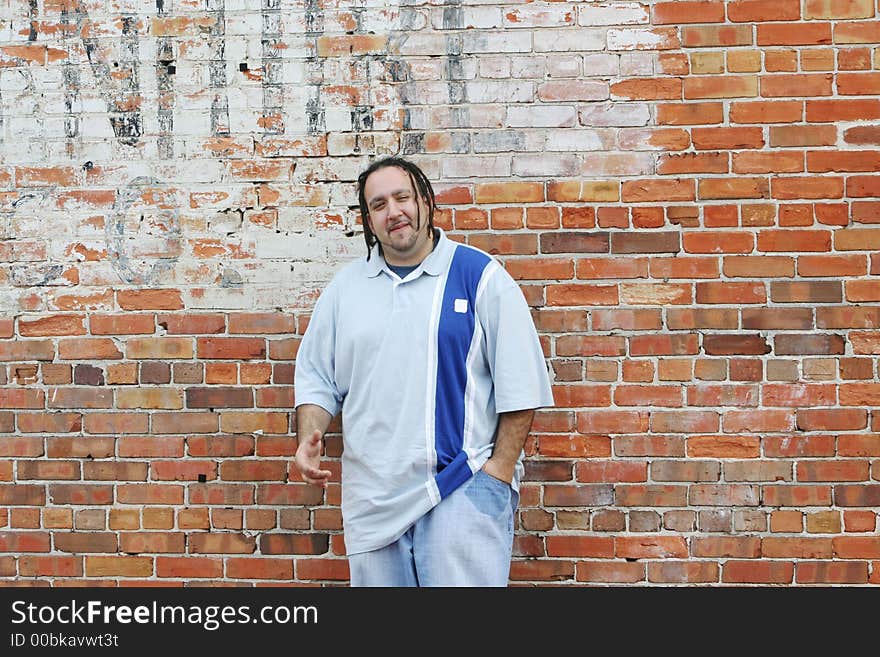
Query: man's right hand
pixel 308 460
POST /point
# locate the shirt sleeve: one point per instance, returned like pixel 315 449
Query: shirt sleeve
pixel 516 359
pixel 314 380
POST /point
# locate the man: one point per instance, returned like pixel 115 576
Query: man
pixel 428 349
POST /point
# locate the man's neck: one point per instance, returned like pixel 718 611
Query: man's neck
pixel 416 259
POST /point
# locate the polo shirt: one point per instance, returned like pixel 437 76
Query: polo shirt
pixel 420 368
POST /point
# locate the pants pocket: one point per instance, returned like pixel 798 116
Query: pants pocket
pixel 489 495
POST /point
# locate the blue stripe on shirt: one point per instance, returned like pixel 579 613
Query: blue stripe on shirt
pixel 454 334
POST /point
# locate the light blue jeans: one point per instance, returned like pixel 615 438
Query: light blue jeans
pixel 466 540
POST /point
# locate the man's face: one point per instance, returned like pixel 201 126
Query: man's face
pixel 398 216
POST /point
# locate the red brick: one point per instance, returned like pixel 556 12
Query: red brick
pixel 767 111
pixel 647 89
pixel 150 494
pixel 189 324
pixel 799 445
pixel 127 324
pixel 857 547
pixel 723 446
pixel 651 547
pixel 118 566
pixel 610 572
pixel 683 572
pixel 845 470
pixel 580 546
pixel 797 496
pixel 543 571
pixel 758 421
pixel 25 541
pixel 52 325
pixel 189 567
pixel 323 569
pixel 830 111
pixel 149 299
pixel 832 572
pixel 713 36
pixel 757 572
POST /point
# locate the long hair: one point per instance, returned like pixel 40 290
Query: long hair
pixel 420 183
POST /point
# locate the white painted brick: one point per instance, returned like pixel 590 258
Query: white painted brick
pixel 294 220
pixel 426 69
pixel 419 44
pixel 615 114
pixel 530 66
pixel 483 116
pixel 578 140
pixel 570 40
pixel 379 20
pixel 291 247
pixel 316 170
pixel 122 174
pixel 427 93
pixel 191 79
pixel 616 13
pixel 54 103
pixel 192 123
pixel 499 141
pixel 15 79
pixel 500 92
pixel 601 64
pixel 245 23
pixel 617 164
pixel 564 66
pixel 10 300
pixel 48 78
pixel 195 171
pixel 572 90
pixel 345 247
pixel 481 17
pixel 337 118
pixel 636 39
pixel 636 64
pixel 26 224
pixel 489 42
pixel 555 116
pixel 530 16
pixel 387 118
pixel 280 273
pixel 95 151
pixel 98 273
pixel 495 67
pixel 546 165
pixel 419 118
pixel 639 139
pixel 220 298
pixel 475 166
pixel 343 194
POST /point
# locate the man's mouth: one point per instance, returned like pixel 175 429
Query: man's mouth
pixel 396 227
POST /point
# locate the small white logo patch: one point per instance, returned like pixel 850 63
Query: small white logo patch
pixel 461 305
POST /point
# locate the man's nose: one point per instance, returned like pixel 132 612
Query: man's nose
pixel 394 208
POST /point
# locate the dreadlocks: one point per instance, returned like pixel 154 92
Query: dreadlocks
pixel 420 184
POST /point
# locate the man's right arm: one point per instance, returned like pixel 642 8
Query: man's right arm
pixel 311 423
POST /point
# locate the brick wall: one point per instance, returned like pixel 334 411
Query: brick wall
pixel 687 192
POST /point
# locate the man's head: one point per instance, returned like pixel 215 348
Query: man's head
pixel 397 207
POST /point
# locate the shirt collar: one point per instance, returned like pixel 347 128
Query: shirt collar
pixel 434 265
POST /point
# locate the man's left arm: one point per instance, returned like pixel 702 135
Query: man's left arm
pixel 513 429
pixel 518 369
